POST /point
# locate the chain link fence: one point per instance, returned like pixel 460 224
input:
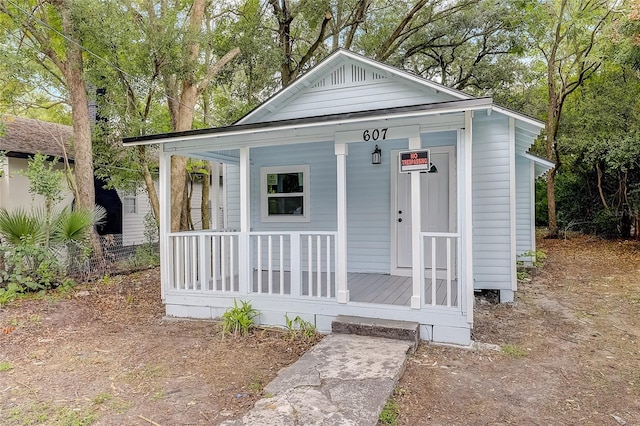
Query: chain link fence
pixel 115 258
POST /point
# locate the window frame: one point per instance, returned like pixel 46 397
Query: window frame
pixel 305 194
pixel 134 200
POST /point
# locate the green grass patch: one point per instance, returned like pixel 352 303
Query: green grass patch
pixel 101 398
pixel 6 366
pixel 389 413
pixel 44 413
pixel 514 351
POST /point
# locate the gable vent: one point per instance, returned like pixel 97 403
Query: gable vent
pixel 377 76
pixel 358 74
pixel 338 76
pixel 319 84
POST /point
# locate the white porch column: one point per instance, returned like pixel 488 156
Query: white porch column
pixel 467 220
pixel 164 190
pixel 341 150
pixel 416 228
pixel 244 262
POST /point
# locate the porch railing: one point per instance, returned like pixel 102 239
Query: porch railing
pixel 204 261
pixel 296 264
pixel 439 263
pixel 299 264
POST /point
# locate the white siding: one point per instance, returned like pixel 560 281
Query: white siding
pixel 322 168
pixel 346 90
pixel 524 219
pixel 133 223
pixel 491 240
pixel 15 188
pixel 368 192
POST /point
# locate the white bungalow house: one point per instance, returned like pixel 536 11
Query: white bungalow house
pixel 357 190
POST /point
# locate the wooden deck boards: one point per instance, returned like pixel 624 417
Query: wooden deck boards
pixel 365 288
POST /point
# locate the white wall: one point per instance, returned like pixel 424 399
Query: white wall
pixel 491 227
pixel 14 188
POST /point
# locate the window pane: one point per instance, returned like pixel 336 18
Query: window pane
pixel 284 183
pixel 286 206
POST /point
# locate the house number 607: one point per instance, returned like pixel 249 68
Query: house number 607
pixel 374 135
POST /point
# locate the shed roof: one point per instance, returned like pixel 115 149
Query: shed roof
pixel 29 136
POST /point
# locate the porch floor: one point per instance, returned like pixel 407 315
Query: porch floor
pixel 363 287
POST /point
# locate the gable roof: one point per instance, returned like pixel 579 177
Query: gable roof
pixel 266 117
pixel 326 67
pixel 26 136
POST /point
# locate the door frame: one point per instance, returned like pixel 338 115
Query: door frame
pixel 453 212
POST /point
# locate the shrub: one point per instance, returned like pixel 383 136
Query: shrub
pixel 239 319
pixel 298 328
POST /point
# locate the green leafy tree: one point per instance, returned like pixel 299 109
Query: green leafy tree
pixel 45 180
pixel 601 140
pixel 48 33
pixel 567 35
pixel 476 47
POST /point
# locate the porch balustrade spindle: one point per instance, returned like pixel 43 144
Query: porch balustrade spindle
pixel 319 263
pixel 215 264
pixel 269 266
pixel 310 264
pixel 193 272
pixel 202 260
pixel 448 272
pixel 259 250
pixel 181 264
pixel 232 264
pixel 328 266
pixel 433 272
pixel 223 264
pixel 281 264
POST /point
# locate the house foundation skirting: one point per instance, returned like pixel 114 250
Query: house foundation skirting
pixel 443 325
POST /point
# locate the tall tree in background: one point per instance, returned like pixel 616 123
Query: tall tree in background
pixel 567 34
pixel 49 28
pixel 603 124
pixel 188 62
pixel 296 40
pixel 478 48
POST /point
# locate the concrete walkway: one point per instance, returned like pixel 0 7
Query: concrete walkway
pixel 343 380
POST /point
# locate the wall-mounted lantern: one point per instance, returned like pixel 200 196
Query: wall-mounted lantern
pixel 376 156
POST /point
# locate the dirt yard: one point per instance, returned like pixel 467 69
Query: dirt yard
pixel 103 354
pixel 570 349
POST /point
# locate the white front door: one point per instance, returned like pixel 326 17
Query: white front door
pixel 437 212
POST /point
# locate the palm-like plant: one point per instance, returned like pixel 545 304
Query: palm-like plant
pixel 19 226
pixel 32 247
pixel 75 225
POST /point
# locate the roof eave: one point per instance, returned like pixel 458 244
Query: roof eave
pixel 319 121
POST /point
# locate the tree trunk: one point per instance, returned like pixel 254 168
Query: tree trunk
pixel 600 191
pixel 204 203
pixel 185 214
pixel 148 180
pixel 83 151
pixel 551 204
pixel 183 122
pixel 553 118
pixel 73 71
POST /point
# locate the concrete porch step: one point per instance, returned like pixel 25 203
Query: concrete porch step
pixel 375 327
